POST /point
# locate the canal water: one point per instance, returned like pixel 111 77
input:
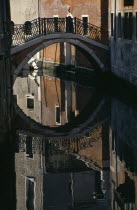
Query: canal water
pixel 76 142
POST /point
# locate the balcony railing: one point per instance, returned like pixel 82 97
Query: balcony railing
pixel 22 33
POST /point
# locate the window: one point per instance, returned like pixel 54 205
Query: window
pixel 57 114
pixel 128 25
pixel 29 147
pixel 55 24
pixel 27 28
pixel 119 26
pixel 85 25
pixel 112 24
pixel 30 102
pixel 128 3
pixel 30 193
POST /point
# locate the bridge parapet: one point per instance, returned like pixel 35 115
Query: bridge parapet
pixel 22 33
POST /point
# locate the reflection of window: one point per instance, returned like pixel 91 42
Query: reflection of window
pixel 112 24
pixel 30 193
pixel 27 28
pixel 128 25
pixel 29 147
pixel 57 114
pixel 30 102
pixel 119 25
pixel 128 3
pixel 136 25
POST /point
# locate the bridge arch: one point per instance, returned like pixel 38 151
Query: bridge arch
pixel 46 43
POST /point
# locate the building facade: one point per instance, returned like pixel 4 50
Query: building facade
pixel 123 38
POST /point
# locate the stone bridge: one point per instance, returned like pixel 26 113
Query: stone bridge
pixel 31 37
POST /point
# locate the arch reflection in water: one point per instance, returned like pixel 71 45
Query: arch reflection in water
pixel 49 100
pixel 62 174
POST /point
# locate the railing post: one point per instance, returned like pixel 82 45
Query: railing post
pixel 39 25
pixel 45 26
pixel 75 24
pixel 42 22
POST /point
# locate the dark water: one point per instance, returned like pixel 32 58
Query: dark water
pixel 76 143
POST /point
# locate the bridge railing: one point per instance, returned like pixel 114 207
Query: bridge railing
pixel 22 33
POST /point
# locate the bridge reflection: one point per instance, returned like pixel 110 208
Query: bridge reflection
pixel 56 106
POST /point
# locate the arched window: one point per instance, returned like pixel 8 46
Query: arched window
pixel 12 27
pixel 27 28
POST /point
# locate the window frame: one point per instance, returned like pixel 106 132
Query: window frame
pixel 120 31
pixel 32 179
pixel 112 24
pixel 128 35
pixel 30 97
pixel 57 106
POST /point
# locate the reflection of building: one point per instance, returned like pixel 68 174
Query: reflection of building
pixel 123 156
pixel 49 100
pixel 61 100
pixel 28 96
pixel 57 189
pixel 123 37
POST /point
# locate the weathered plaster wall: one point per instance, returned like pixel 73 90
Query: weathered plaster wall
pixel 24 87
pixel 28 167
pixel 23 10
pixel 49 8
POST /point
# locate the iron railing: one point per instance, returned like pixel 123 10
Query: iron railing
pixel 22 33
pixel 38 146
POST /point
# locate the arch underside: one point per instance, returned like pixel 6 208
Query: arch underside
pixel 80 127
pixel 46 42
